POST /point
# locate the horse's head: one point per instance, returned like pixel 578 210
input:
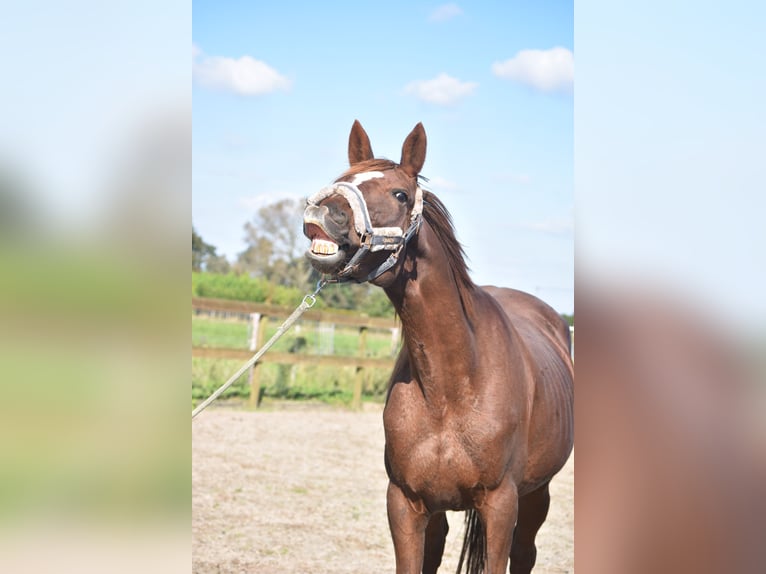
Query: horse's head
pixel 359 225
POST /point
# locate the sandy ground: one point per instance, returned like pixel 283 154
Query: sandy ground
pixel 302 489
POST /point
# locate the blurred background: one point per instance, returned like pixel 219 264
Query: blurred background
pixel 95 177
pixel 670 288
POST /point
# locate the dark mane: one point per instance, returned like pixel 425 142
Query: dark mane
pixel 440 220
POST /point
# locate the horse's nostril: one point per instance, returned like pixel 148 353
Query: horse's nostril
pixel 337 215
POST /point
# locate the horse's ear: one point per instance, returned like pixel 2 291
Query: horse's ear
pixel 359 148
pixel 414 151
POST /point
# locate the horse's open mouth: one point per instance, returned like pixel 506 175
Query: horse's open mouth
pixel 321 243
pixel 325 253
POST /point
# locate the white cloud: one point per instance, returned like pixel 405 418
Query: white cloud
pixel 512 177
pixel 521 178
pixel 553 226
pixel 440 183
pixel 255 202
pixel 443 89
pixel 516 178
pixel 546 70
pixel 445 12
pixel 245 76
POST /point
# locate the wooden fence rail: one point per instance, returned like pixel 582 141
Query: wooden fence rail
pixel 244 307
pixel 259 314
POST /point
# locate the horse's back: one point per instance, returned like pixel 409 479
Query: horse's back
pixel 526 311
pixel 546 336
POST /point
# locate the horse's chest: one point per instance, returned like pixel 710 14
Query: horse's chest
pixel 437 468
pixel 438 463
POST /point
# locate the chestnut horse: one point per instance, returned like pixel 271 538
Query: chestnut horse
pixel 479 412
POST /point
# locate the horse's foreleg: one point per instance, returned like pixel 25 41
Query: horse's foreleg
pixel 533 508
pixel 436 535
pixel 498 512
pixel 407 520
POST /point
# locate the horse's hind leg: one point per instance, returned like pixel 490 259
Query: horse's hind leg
pixel 436 535
pixel 533 508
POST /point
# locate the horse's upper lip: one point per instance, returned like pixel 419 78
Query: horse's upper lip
pixel 318 226
pixel 315 230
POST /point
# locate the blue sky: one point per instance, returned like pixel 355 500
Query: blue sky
pixel 670 151
pixel 277 86
pixel 80 91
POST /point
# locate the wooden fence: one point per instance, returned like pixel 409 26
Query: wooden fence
pixel 259 313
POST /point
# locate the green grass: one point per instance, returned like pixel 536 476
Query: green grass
pixel 303 338
pixel 298 382
pixel 209 374
pixel 217 333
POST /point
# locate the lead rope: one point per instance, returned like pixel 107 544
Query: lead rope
pixel 308 302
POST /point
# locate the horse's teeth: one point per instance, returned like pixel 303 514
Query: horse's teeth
pixel 323 247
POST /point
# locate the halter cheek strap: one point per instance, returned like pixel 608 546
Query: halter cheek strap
pixel 372 238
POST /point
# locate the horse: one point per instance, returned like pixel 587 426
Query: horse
pixel 479 407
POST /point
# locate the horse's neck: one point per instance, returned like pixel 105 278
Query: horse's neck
pixel 436 322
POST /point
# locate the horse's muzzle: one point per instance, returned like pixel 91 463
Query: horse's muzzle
pixel 330 243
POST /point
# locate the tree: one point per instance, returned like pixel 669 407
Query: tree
pixel 204 256
pixel 365 298
pixel 276 245
pixel 19 217
pixel 217 264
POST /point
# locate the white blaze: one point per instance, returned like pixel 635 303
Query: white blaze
pixel 360 178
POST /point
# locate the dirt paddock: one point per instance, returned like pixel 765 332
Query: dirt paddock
pixel 302 489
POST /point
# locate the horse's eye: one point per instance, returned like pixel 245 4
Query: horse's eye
pixel 401 196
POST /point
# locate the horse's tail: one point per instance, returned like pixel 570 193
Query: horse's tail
pixel 474 550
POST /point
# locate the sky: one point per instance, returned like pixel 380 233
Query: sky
pixel 277 86
pixel 80 91
pixel 669 152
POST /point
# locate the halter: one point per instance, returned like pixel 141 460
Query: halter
pixel 372 238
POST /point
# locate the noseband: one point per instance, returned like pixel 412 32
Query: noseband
pixel 373 239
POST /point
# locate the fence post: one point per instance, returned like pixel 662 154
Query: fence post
pixel 356 401
pixel 394 340
pixel 571 339
pixel 258 333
